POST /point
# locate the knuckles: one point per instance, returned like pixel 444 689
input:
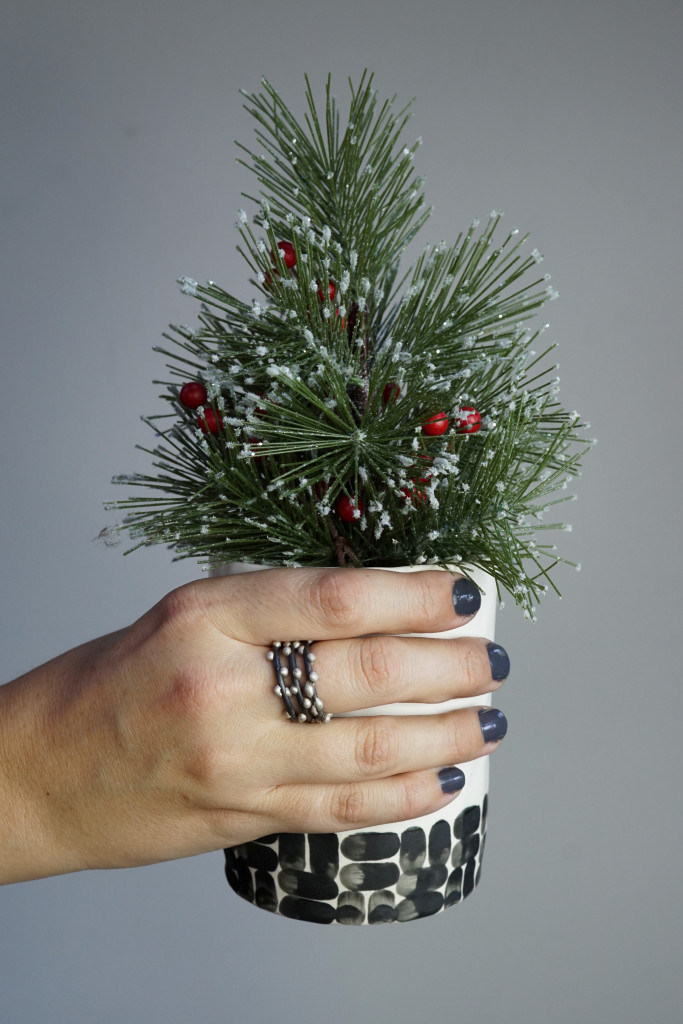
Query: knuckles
pixel 191 697
pixel 378 667
pixel 348 808
pixel 203 766
pixel 180 610
pixel 337 599
pixel 376 748
pixel 352 806
pixel 193 703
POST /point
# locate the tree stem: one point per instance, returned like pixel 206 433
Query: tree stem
pixel 342 548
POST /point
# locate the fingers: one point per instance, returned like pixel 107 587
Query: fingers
pixel 368 672
pixel 375 747
pixel 371 671
pixel 314 604
pixel 338 808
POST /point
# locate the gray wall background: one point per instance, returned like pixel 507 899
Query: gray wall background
pixel 118 176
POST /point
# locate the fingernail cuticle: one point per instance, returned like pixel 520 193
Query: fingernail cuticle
pixel 500 662
pixel 493 723
pixel 466 597
pixel 451 779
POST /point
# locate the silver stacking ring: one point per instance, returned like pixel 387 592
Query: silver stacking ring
pixel 297 688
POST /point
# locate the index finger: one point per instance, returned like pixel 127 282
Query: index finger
pixel 334 604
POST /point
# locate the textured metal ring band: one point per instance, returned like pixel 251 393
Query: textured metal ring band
pixel 296 688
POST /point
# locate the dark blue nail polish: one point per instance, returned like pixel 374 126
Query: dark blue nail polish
pixel 451 779
pixel 494 724
pixel 466 597
pixel 500 663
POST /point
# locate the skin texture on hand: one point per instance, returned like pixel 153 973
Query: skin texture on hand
pixel 165 739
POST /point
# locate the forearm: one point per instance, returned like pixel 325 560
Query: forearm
pixel 35 834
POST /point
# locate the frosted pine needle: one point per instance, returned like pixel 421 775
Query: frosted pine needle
pixel 320 382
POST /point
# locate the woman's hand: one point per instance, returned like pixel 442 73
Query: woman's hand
pixel 166 739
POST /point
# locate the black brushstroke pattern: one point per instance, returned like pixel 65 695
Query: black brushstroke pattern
pixel 265 895
pixel 467 822
pixel 238 874
pixel 308 885
pixel 369 876
pixel 292 851
pixel 464 851
pixel 263 857
pixel 423 905
pixel 413 848
pixel 307 910
pixel 454 888
pixel 468 880
pixel 370 845
pixel 323 852
pixel 439 842
pixel 422 880
pixel 351 908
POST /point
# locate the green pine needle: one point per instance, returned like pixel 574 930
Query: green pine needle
pixel 320 387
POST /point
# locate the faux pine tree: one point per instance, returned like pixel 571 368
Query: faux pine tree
pixel 354 413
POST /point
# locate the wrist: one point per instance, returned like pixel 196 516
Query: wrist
pixel 33 838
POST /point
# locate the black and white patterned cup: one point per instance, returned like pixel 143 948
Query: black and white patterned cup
pixel 395 872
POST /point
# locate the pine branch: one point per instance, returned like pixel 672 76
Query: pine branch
pixel 319 392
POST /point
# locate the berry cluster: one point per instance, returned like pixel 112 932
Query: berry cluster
pixel 193 395
pixel 288 254
pixel 349 508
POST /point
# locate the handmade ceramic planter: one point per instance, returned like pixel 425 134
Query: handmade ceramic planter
pixel 396 872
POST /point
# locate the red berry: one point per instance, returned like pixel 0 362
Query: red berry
pixel 414 493
pixel 268 278
pixel 348 509
pixel 287 252
pixel 193 394
pixel 332 291
pixel 468 420
pixel 435 425
pixel 391 393
pixel 211 422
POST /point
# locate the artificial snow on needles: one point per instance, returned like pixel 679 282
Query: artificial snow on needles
pixel 413 396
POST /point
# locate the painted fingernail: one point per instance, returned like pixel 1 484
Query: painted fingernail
pixel 451 779
pixel 466 597
pixel 493 723
pixel 500 663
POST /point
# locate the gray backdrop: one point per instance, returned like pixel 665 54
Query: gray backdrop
pixel 118 177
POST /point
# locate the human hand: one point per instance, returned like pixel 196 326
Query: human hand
pixel 166 740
